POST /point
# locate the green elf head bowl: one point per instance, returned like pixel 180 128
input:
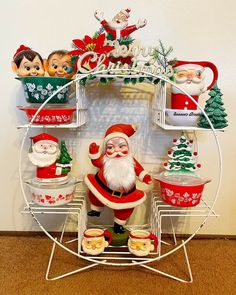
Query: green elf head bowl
pixel 38 89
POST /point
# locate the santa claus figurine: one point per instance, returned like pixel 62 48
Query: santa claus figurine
pixel 45 155
pixel 114 184
pixel 118 27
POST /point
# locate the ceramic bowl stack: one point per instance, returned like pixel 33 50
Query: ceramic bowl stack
pixel 37 90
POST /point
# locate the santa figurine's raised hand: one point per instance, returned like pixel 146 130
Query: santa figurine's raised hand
pixel 118 27
pixel 52 164
pixel 114 184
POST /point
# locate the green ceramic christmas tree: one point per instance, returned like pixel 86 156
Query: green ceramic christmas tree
pixel 181 157
pixel 215 110
pixel 64 159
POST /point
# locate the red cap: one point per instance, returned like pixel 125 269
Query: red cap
pixel 120 130
pixel 44 136
pixel 21 48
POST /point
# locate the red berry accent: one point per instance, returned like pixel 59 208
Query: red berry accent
pixel 174 140
pixel 195 153
pixel 199 165
pixel 191 141
pixel 169 152
pixel 48 197
pixel 165 164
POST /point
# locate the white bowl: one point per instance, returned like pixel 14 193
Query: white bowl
pixel 52 194
pixel 176 117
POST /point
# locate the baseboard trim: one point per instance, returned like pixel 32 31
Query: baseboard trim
pixel 57 234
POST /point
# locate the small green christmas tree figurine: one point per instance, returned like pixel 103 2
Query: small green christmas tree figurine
pixel 181 157
pixel 64 159
pixel 215 110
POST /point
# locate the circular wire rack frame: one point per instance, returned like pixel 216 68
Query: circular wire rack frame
pixel 133 263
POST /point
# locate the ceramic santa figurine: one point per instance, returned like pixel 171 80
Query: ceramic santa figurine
pixel 189 76
pixel 114 184
pixel 52 164
pixel 118 26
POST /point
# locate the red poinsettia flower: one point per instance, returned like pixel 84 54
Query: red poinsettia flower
pixel 95 44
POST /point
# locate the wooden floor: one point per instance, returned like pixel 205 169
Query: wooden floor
pixel 23 262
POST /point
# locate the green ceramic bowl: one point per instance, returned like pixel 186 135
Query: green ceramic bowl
pixel 38 89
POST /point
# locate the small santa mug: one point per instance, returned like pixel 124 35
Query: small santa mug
pixel 189 77
pixel 94 242
pixel 140 242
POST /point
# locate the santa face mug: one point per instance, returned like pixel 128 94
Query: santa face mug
pixel 190 78
pixel 94 242
pixel 140 242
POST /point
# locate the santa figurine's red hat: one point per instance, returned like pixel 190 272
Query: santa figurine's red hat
pixel 120 130
pixel 126 12
pixel 45 137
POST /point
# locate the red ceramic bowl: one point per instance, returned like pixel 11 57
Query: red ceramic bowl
pixel 50 115
pixel 181 190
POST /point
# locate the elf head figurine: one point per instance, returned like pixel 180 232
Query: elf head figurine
pixel 53 162
pixel 118 26
pixel 59 64
pixel 114 184
pixel 27 62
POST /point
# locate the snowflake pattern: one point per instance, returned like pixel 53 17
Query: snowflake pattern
pixel 52 119
pixel 41 94
pixel 177 199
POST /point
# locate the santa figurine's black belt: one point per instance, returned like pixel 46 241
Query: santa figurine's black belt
pixel 114 193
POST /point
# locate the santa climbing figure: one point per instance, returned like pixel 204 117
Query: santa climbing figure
pixel 118 27
pixel 114 184
pixel 44 154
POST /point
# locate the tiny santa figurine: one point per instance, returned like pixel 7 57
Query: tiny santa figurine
pixel 114 184
pixel 52 164
pixel 118 27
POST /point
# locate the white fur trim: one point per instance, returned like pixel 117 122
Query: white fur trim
pixel 116 134
pixel 95 208
pixel 47 141
pixel 94 156
pixel 142 174
pixel 119 221
pixel 110 204
pixel 189 66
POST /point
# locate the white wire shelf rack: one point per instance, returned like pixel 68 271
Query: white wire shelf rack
pixel 156 216
pixel 162 210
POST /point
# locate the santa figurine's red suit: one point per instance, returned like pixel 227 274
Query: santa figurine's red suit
pixel 44 155
pixel 118 26
pixel 114 184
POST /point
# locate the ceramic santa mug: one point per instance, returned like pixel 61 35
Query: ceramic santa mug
pixel 140 242
pixel 188 75
pixel 94 242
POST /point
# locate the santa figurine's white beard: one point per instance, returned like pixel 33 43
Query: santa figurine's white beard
pixel 118 26
pixel 119 173
pixel 43 159
pixel 192 88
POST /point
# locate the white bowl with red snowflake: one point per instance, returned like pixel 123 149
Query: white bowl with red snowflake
pixel 52 194
pixel 181 190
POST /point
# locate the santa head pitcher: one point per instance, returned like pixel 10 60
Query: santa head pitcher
pixel 189 76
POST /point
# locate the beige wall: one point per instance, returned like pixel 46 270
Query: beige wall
pixel 198 30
